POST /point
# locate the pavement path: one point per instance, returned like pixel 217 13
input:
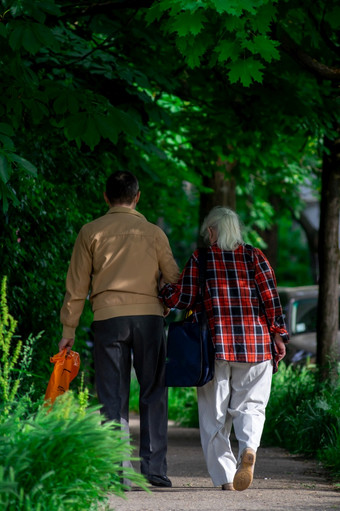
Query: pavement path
pixel 282 482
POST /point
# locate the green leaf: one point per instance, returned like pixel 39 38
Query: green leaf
pixel 91 137
pixel 174 6
pixel 6 129
pixel 235 24
pixel 246 71
pixel 220 5
pixel 3 31
pixel 66 101
pixel 29 41
pixel 195 54
pixel 333 17
pixel 45 36
pixel 6 193
pixel 188 23
pixel 5 168
pixel 60 103
pixel 227 50
pixel 153 13
pixel 50 7
pixel 16 35
pixel 32 36
pixel 7 142
pixel 23 163
pixel 75 125
pixel 106 127
pixel 193 5
pixel 265 15
pixel 36 109
pixel 37 14
pixel 263 46
pixel 192 48
pixel 236 7
pixel 126 122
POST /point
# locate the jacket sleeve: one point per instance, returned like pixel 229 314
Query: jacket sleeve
pixel 183 294
pixel 166 261
pixel 77 285
pixel 266 282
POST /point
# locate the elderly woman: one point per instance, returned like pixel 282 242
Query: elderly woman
pixel 244 311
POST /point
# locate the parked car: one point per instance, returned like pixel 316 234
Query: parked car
pixel 300 307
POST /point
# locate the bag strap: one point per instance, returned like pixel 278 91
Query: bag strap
pixel 202 267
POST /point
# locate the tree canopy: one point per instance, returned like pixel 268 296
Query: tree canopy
pixel 206 101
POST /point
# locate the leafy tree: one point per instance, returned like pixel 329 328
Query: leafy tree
pixel 212 101
pixel 245 40
pixel 78 101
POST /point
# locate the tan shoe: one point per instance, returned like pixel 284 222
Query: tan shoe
pixel 244 474
pixel 228 486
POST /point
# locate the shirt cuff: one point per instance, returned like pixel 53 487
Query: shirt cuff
pixel 275 329
pixel 69 332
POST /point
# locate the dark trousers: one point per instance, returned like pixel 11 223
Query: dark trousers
pixel 140 339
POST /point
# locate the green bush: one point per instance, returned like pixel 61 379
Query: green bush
pixel 134 395
pixel 53 458
pixel 62 458
pixel 15 357
pixel 182 404
pixel 291 387
pixel 303 416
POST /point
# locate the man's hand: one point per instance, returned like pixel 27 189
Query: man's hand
pixel 166 311
pixel 161 283
pixel 66 343
pixel 280 347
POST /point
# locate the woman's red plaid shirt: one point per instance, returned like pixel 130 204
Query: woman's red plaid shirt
pixel 233 280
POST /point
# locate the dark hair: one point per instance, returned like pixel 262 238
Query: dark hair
pixel 121 187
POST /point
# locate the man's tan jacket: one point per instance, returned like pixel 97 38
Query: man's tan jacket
pixel 119 257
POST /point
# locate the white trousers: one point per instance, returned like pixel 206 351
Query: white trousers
pixel 237 396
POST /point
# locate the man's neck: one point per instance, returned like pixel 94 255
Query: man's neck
pixel 123 205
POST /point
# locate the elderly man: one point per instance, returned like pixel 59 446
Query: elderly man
pixel 120 257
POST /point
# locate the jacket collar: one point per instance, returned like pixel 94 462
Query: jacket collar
pixel 124 209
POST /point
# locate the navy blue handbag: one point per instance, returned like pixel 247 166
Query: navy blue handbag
pixel 190 358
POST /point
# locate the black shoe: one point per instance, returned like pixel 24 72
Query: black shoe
pixel 159 481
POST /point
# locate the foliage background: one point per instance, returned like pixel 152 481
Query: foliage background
pixel 205 101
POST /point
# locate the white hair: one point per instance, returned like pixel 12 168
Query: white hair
pixel 227 225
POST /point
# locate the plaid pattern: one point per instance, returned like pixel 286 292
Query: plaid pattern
pixel 238 327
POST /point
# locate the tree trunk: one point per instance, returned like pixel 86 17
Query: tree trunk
pixel 312 235
pixel 329 261
pixel 270 237
pixel 224 194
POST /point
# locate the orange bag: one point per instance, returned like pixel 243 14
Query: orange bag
pixel 66 367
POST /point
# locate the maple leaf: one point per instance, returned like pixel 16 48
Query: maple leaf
pixel 188 23
pixel 193 48
pixel 227 50
pixel 265 15
pixel 263 46
pixel 246 71
pixel 234 7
